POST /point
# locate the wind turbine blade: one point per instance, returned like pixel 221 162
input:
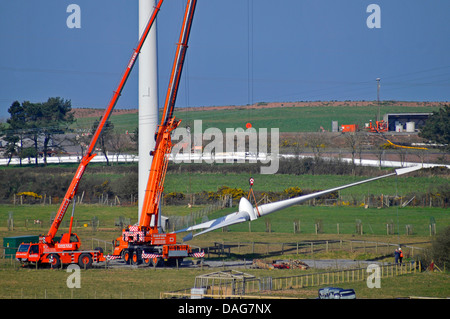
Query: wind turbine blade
pixel 401 171
pixel 273 207
pixel 247 212
pixel 222 224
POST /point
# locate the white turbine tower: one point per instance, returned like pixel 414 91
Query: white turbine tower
pixel 148 97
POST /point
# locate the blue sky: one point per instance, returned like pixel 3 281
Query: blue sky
pixel 240 51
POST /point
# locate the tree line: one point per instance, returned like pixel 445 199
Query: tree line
pixel 36 123
pixel 31 132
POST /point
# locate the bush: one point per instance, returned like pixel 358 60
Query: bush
pixel 439 252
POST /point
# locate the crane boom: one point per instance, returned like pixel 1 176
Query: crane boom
pixel 144 242
pixel 89 155
pixel 163 145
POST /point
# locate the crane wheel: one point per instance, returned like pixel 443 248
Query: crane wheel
pixel 85 261
pixel 126 256
pixel 55 261
pixel 135 260
pixel 155 262
pixel 146 261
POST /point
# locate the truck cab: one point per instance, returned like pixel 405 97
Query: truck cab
pixel 28 252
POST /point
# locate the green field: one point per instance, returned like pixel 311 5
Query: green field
pixel 287 119
pixel 193 183
pixel 374 220
pixel 147 283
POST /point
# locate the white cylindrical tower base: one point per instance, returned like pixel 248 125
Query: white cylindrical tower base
pixel 148 97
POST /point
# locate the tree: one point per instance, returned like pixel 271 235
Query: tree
pixel 38 122
pixel 354 140
pixel 16 131
pixel 119 143
pixel 437 128
pixel 105 135
pixel 439 252
pixel 56 117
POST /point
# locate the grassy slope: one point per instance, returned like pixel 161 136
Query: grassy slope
pixel 287 119
pixel 193 183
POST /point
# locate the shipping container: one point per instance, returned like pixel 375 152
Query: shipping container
pixel 10 244
pixel 350 128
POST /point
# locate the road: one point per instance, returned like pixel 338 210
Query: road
pixel 130 158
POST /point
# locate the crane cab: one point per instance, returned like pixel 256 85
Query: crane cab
pixel 68 242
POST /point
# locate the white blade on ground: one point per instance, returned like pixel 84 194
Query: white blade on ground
pixel 247 212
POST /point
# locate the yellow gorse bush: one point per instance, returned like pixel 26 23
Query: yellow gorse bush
pixel 31 194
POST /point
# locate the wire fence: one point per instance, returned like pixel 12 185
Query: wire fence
pixel 228 249
pixel 241 287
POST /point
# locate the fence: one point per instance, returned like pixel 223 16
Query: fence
pixel 258 287
pixel 173 223
pixel 342 276
pixel 226 249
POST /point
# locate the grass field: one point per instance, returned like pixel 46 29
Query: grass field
pixel 287 119
pixel 147 283
pixel 193 183
pixel 374 220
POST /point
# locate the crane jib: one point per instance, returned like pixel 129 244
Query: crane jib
pixel 71 191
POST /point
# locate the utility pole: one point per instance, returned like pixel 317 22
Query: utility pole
pixel 378 97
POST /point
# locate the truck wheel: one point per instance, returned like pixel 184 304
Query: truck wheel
pixel 54 260
pixel 126 256
pixel 135 259
pixel 155 262
pixel 85 261
pixel 146 261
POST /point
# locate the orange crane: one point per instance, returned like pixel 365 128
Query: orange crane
pixel 67 249
pixel 145 242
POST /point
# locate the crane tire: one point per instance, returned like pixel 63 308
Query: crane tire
pixel 135 258
pixel 85 261
pixel 54 260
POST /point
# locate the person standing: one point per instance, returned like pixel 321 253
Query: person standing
pixel 396 256
pixel 400 257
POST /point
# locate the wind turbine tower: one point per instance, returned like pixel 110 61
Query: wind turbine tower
pixel 148 97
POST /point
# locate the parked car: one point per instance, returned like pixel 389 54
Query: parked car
pixel 336 293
